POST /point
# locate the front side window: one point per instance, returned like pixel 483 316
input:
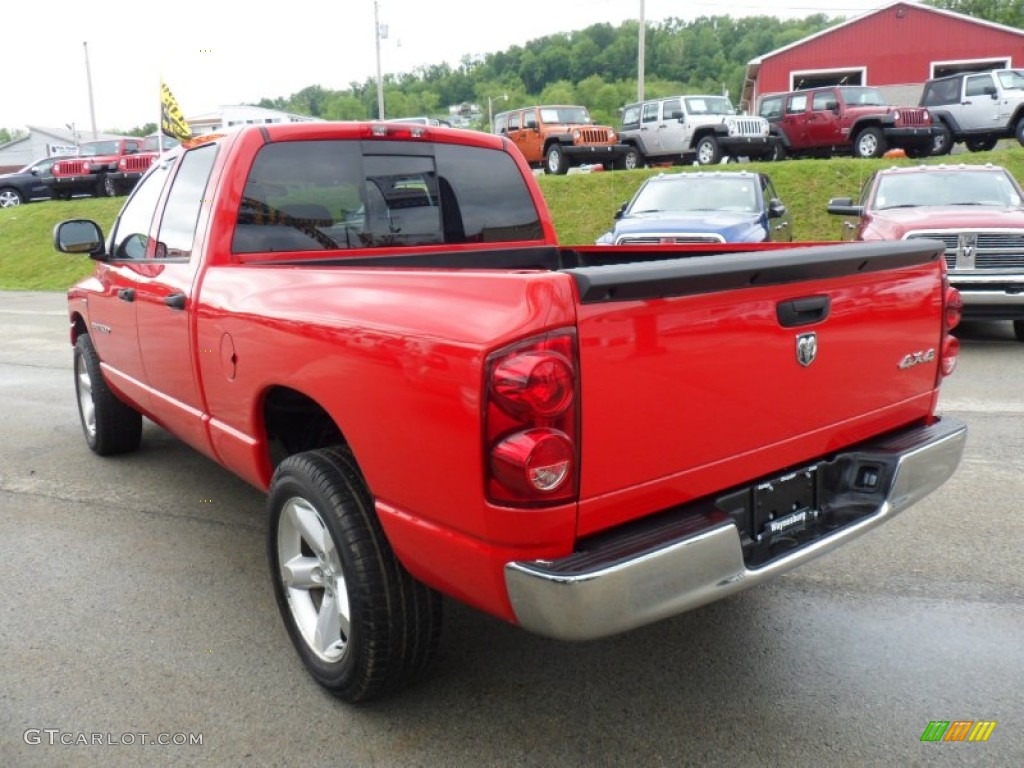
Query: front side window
pixel 131 233
pixel 184 201
pixel 797 104
pixel 977 84
pixel 651 112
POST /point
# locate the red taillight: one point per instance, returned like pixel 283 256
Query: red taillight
pixel 534 461
pixel 954 308
pixel 530 422
pixel 534 382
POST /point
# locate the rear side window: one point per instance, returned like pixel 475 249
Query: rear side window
pixel 325 195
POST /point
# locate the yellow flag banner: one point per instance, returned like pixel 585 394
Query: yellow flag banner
pixel 172 122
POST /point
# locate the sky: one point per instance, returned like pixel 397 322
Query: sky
pixel 220 53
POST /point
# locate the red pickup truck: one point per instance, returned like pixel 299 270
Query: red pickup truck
pixel 375 323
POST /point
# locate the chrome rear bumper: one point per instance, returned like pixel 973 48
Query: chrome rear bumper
pixel 628 581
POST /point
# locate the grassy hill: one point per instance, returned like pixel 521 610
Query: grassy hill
pixel 581 206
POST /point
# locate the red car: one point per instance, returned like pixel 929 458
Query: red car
pixel 977 211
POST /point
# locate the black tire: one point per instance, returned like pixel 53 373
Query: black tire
pixel 631 160
pixel 709 152
pixel 110 188
pixel 322 522
pixel 1018 132
pixel 869 143
pixel 10 197
pixel 916 152
pixel 110 425
pixel 986 144
pixel 555 161
pixel 778 153
pixel 1018 329
pixel 942 141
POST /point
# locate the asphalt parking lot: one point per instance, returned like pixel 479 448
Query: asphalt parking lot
pixel 136 601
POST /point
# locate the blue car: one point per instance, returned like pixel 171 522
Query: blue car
pixel 702 207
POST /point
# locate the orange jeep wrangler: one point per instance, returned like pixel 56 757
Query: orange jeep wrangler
pixel 557 137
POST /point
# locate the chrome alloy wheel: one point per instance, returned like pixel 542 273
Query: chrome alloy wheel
pixel 83 387
pixel 313 580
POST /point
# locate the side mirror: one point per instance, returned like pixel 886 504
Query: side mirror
pixel 621 211
pixel 833 106
pixel 776 209
pixel 676 114
pixel 79 236
pixel 843 206
pixel 991 91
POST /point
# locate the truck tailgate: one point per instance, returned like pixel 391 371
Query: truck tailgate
pixel 703 373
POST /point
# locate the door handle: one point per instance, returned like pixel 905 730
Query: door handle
pixel 175 300
pixel 126 294
pixel 805 311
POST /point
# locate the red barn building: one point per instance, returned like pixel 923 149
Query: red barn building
pixel 895 48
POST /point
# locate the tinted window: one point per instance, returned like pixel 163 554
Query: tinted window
pixel 976 85
pixel 317 195
pixel 184 201
pixel 797 103
pixel 131 233
pixel 823 100
pixel 672 105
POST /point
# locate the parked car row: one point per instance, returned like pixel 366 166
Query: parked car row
pixel 975 211
pixel 102 168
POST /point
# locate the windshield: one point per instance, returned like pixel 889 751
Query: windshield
pixel 942 188
pixel 1012 78
pixel 95 148
pixel 564 115
pixel 709 105
pixel 697 194
pixel 863 97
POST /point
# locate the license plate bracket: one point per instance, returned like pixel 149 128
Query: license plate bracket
pixel 786 506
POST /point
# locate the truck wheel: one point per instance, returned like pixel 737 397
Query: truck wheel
pixel 942 142
pixel 1018 329
pixel 361 624
pixel 555 161
pixel 110 425
pixel 631 160
pixel 778 152
pixel 981 145
pixel 869 143
pixel 708 151
pixel 9 197
pixel 110 187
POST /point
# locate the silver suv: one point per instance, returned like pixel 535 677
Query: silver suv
pixel 977 108
pixel 679 128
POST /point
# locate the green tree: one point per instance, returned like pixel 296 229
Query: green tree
pixel 1008 12
pixel 11 134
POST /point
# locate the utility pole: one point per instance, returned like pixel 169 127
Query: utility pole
pixel 640 57
pixel 378 34
pixel 88 78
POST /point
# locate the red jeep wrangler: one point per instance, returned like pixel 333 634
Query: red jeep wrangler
pixel 95 171
pixel 836 119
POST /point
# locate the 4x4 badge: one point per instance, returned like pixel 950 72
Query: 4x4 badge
pixel 806 348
